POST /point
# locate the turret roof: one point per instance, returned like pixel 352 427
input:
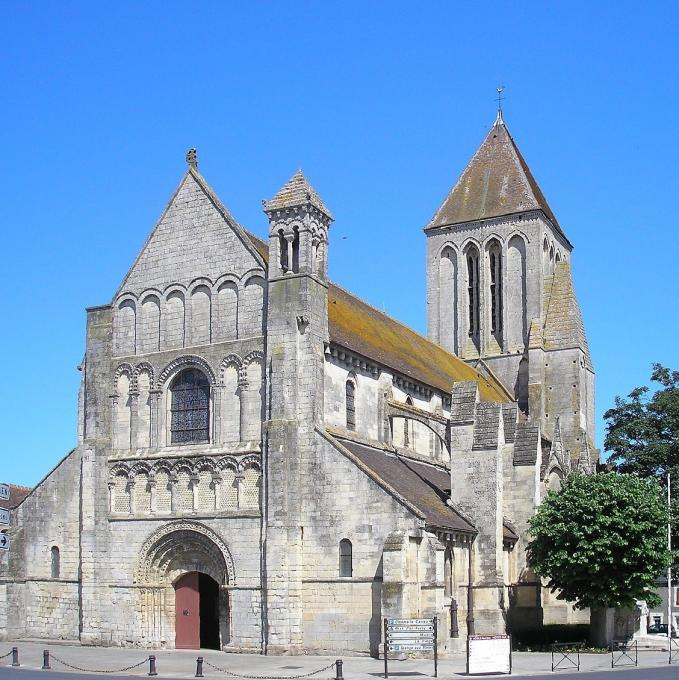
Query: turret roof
pixel 496 182
pixel 296 192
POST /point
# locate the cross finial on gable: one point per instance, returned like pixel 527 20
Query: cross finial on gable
pixel 192 158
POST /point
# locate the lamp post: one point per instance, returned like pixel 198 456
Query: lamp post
pixel 669 568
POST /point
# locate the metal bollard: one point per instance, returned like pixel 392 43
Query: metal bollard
pixel 199 667
pixel 46 660
pixel 152 665
pixel 338 670
pixel 15 656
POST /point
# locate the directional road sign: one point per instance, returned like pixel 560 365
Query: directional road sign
pixel 4 516
pixel 411 648
pixel 4 541
pixel 4 492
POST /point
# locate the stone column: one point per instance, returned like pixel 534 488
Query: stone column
pixel 154 396
pixel 195 480
pixel 243 401
pixel 114 420
pixel 134 418
pixel 152 491
pixel 217 483
pixel 130 490
pixel 240 477
pixel 174 496
pixel 217 428
pixel 111 499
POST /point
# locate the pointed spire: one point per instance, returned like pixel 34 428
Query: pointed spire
pixel 495 183
pixel 557 452
pixel 563 326
pixel 296 192
pixel 584 464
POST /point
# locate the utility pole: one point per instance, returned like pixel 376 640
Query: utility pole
pixel 669 568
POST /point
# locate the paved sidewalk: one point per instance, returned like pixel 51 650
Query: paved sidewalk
pixel 182 663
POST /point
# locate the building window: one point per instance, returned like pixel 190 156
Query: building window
pixel 283 251
pixel 190 407
pixel 406 425
pixel 345 558
pixel 350 390
pixel 495 257
pixel 55 562
pixel 473 291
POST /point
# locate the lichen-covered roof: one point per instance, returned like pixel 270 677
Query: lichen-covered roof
pixel 496 182
pixel 296 192
pixel 358 326
pixel 16 495
pixel 563 326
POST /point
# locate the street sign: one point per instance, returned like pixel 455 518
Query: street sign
pixel 410 635
pixel 4 541
pixel 4 492
pixel 4 516
pixel 489 654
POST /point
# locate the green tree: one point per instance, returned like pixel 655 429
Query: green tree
pixel 601 541
pixel 642 431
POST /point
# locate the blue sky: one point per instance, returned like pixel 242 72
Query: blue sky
pixel 382 104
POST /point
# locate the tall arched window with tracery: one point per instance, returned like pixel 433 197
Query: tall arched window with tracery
pixel 495 263
pixel 350 394
pixel 473 292
pixel 190 408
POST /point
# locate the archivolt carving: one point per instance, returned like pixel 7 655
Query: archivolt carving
pixel 123 369
pixel 188 360
pixel 229 360
pixel 190 465
pixel 144 366
pixel 250 462
pixel 251 356
pixel 155 548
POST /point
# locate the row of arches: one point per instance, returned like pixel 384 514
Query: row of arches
pixel 551 256
pixel 188 403
pixel 178 317
pixel 185 486
pixel 482 295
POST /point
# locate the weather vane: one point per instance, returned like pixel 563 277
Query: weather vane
pixel 499 91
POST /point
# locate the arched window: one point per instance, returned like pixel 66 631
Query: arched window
pixel 495 261
pixel 350 392
pixel 345 558
pixel 283 251
pixel 190 407
pixel 55 566
pixel 473 291
pixel 406 424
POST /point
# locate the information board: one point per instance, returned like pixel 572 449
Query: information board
pixel 489 654
pixel 410 635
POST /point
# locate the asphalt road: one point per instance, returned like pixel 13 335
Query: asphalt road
pixel 664 673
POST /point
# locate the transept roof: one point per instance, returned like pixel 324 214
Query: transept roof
pixel 496 182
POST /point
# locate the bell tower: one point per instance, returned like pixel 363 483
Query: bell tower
pixel 297 334
pixel 500 292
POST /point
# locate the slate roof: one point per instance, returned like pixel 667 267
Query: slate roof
pixel 358 326
pixel 526 444
pixel 16 496
pixel 563 326
pixel 496 182
pixel 296 192
pixel 426 487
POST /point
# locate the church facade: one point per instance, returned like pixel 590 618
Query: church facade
pixel 267 464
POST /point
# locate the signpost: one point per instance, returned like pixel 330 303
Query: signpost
pixel 410 635
pixel 4 541
pixel 4 492
pixel 4 516
pixel 489 654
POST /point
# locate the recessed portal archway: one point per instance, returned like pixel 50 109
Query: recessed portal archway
pixel 192 566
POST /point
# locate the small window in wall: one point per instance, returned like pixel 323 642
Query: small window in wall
pixel 495 258
pixel 350 390
pixel 55 562
pixel 406 425
pixel 345 558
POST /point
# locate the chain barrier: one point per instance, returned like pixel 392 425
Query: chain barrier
pixel 97 670
pixel 269 677
pixel 4 656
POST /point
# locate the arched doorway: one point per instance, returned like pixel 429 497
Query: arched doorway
pixel 184 572
pixel 196 612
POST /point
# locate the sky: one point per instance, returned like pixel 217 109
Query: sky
pixel 381 104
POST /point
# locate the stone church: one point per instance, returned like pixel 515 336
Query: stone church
pixel 266 463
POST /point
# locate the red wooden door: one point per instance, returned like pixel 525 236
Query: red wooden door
pixel 187 612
